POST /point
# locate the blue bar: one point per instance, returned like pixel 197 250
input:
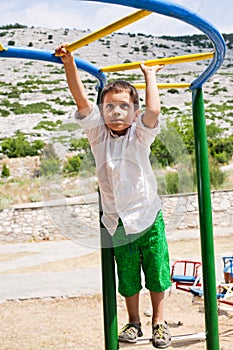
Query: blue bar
pixel 42 55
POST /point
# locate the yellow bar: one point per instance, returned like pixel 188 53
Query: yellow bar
pixel 2 48
pixel 159 61
pixel 108 29
pixel 140 86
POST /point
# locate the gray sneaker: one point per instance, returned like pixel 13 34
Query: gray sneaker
pixel 161 336
pixel 130 333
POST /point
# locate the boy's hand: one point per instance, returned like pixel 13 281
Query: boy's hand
pixel 62 51
pixel 152 100
pixel 150 69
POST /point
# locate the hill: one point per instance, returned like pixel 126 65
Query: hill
pixel 35 99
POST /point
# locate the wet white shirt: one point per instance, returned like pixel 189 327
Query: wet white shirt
pixel 126 180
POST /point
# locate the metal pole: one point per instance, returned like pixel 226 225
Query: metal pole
pixel 205 217
pixel 108 281
pixel 108 288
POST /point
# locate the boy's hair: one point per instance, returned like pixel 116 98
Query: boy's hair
pixel 118 86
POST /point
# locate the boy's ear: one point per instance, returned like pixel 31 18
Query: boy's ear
pixel 136 114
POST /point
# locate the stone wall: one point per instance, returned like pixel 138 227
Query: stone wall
pixel 78 218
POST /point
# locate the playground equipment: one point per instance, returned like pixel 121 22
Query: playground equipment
pixel 224 290
pixel 228 268
pixel 224 293
pixel 185 274
pixel 169 9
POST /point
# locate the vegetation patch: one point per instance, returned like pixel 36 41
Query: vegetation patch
pixel 19 146
pixel 48 125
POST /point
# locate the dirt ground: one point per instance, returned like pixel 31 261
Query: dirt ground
pixel 77 323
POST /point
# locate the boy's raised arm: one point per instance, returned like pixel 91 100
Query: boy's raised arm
pixel 75 84
pixel 152 99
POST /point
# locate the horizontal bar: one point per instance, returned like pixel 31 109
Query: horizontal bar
pixel 159 61
pixel 108 29
pixel 201 336
pixel 141 86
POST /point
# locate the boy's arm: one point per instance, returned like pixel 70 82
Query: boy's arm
pixel 152 99
pixel 75 84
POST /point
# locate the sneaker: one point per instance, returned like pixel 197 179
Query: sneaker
pixel 130 333
pixel 161 336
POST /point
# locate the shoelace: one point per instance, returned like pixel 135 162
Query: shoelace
pixel 129 329
pixel 159 332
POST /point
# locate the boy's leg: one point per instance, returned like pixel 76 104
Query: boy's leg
pixel 132 330
pixel 132 304
pixel 128 262
pixel 157 301
pixel 155 262
pixel 161 337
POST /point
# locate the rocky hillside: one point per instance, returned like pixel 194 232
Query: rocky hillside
pixel 34 97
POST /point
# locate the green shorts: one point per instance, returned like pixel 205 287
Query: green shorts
pixel 149 252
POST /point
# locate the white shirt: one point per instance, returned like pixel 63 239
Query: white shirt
pixel 127 183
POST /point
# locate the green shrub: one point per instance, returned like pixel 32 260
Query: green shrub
pixel 222 157
pixel 144 48
pixel 221 149
pixel 72 165
pixel 5 171
pixel 19 146
pixel 217 177
pixel 13 26
pixel 50 166
pixel 173 91
pixel 83 162
pixel 81 144
pixel 48 125
pixel 172 182
pixel 4 113
pixel 49 162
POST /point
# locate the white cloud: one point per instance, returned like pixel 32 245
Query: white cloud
pixel 51 15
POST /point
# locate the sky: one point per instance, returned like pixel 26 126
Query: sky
pixel 94 15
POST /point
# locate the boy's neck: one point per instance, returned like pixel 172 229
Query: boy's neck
pixel 120 132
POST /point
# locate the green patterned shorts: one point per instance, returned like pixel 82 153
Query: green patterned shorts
pixel 149 252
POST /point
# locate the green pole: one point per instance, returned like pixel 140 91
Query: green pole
pixel 108 288
pixel 108 281
pixel 205 217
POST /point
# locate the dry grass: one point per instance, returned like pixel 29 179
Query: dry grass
pixel 20 191
pixel 77 323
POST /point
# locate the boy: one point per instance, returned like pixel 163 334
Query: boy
pixel 120 139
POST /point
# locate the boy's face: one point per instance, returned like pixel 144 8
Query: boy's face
pixel 118 111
